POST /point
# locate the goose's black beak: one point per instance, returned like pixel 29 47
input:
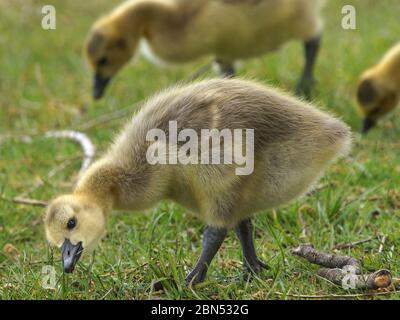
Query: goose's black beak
pixel 70 254
pixel 367 125
pixel 99 86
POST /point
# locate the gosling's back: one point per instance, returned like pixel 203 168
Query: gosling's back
pixel 231 29
pixel 236 104
pixel 293 144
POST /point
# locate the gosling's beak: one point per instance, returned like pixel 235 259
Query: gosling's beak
pixel 70 254
pixel 367 125
pixel 99 86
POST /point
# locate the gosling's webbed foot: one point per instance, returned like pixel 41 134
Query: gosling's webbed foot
pixel 251 264
pixel 212 240
pixel 248 272
pixel 255 267
pixel 195 277
pixel 228 72
pixel 304 87
pixel 306 83
pixel 227 69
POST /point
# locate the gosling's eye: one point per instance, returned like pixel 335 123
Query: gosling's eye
pixel 71 223
pixel 103 61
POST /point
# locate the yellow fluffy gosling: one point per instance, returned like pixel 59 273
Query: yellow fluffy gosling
pixel 293 143
pixel 378 91
pixel 177 31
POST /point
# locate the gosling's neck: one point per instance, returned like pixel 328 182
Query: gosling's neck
pixel 138 187
pixel 99 185
pixel 134 18
pixel 390 67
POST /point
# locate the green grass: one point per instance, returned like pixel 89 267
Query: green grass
pixel 44 84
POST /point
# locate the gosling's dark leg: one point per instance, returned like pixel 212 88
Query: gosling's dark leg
pixel 227 69
pixel 251 263
pixel 306 82
pixel 212 240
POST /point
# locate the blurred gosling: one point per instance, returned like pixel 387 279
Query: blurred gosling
pixel 178 31
pixel 293 145
pixel 378 90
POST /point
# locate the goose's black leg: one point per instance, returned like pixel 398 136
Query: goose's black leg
pixel 212 240
pixel 251 263
pixel 306 82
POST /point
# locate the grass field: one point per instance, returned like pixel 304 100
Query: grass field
pixel 44 85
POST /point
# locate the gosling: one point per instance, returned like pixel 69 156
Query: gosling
pixel 178 31
pixel 378 91
pixel 292 144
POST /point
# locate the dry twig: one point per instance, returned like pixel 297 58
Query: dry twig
pixel 54 171
pixel 344 270
pixel 25 201
pixel 337 296
pixel 84 141
pixel 342 246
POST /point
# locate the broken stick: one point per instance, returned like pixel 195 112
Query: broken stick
pixel 344 270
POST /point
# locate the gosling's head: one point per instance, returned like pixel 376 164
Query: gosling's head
pixel 376 97
pixel 107 50
pixel 75 225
